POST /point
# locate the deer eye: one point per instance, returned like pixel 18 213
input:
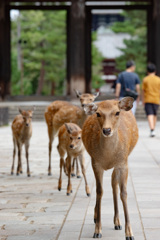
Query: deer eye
pixel 98 114
pixel 79 137
pixel 71 138
pixel 117 113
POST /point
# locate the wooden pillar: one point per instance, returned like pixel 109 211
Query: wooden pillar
pixel 88 42
pixel 76 47
pixel 4 48
pixel 154 34
pixel 150 50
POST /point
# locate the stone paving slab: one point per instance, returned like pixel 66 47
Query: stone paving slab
pixel 32 208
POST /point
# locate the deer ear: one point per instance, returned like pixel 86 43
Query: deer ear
pixel 77 93
pixel 90 108
pixel 69 130
pixel 96 95
pixel 20 110
pixel 126 103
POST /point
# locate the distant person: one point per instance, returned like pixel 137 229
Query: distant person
pixel 128 79
pixel 151 96
pixel 114 86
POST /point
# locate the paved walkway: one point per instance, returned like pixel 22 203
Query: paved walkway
pixel 33 209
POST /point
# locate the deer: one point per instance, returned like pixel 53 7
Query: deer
pixel 60 112
pixel 113 133
pixel 21 132
pixel 70 142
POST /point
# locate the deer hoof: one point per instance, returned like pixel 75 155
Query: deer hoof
pixel 88 194
pixel 73 174
pixel 17 174
pixel 59 188
pixel 78 176
pixel 97 235
pixel 68 194
pixel 29 175
pixel 21 172
pixel 12 173
pixel 49 174
pixel 119 227
pixel 129 238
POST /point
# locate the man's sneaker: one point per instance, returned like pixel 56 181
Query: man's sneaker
pixel 152 133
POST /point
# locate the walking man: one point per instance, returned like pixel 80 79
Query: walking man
pixel 130 80
pixel 151 96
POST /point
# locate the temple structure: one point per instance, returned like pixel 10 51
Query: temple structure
pixel 78 36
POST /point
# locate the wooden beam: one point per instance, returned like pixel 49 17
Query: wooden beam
pixel 124 7
pixel 119 1
pixel 33 1
pixel 112 7
pixel 85 1
pixel 34 7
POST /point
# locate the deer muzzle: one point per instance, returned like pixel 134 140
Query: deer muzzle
pixel 106 131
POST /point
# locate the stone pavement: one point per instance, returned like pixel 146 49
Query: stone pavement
pixel 33 209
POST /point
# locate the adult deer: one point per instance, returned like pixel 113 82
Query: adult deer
pixel 70 141
pixel 22 132
pixel 109 136
pixel 60 112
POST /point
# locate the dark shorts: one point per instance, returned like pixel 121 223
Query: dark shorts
pixel 151 108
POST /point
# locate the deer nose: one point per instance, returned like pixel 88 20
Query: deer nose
pixel 27 124
pixel 71 146
pixel 83 105
pixel 106 131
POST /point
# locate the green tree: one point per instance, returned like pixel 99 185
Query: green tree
pixel 135 47
pixel 15 76
pixel 43 48
pixel 39 44
pixel 96 65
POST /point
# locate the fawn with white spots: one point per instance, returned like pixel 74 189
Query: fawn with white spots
pixel 22 132
pixel 60 112
pixel 70 141
pixel 109 136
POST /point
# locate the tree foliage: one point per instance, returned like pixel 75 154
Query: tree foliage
pixel 43 52
pixel 135 47
pixel 96 65
pixel 39 54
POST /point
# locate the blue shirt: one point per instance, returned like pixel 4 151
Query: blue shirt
pixel 127 80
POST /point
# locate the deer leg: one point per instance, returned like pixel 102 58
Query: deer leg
pixel 14 154
pixel 81 159
pixel 117 223
pixel 19 158
pixel 77 169
pixel 123 194
pixel 51 138
pixel 68 163
pixel 72 169
pixel 60 175
pixel 20 167
pixel 27 158
pixel 61 153
pixel 98 172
